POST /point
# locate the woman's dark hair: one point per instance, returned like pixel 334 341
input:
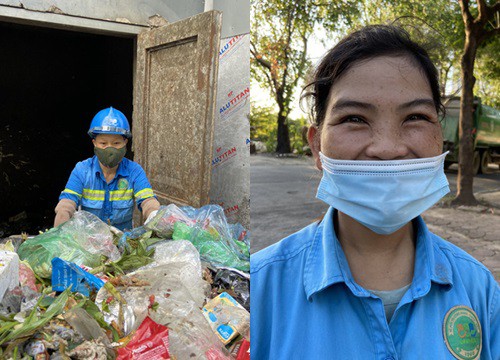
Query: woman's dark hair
pixel 369 42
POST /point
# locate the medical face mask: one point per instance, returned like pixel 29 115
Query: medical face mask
pixel 110 157
pixel 383 195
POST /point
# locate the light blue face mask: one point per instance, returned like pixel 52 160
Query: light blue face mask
pixel 383 195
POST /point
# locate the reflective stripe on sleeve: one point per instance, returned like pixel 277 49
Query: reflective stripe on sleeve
pixel 68 191
pixel 144 194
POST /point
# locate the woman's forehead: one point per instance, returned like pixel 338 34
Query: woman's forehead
pixel 382 79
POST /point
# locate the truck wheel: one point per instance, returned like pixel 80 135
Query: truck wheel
pixel 476 163
pixel 485 160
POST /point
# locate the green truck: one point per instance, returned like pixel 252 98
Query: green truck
pixel 486 134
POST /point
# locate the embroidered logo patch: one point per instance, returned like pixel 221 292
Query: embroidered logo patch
pixel 122 184
pixel 462 333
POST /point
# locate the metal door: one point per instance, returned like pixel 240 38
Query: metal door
pixel 174 107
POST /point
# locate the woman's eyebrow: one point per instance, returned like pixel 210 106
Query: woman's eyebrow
pixel 347 103
pixel 426 102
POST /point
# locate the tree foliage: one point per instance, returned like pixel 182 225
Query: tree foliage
pixel 280 33
pixel 435 24
pixel 264 128
pixel 488 73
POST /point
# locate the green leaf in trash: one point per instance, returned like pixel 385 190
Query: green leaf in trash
pixel 32 323
pixel 133 257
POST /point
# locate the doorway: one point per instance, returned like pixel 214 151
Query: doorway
pixel 52 83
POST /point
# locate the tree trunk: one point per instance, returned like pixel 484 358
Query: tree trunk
pixel 283 146
pixel 465 195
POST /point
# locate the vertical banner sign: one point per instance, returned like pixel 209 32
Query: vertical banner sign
pixel 231 153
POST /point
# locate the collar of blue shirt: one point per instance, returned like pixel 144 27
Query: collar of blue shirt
pixel 326 263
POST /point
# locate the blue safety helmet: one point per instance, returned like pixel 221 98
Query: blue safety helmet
pixel 109 121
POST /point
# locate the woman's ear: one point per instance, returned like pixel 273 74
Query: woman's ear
pixel 314 139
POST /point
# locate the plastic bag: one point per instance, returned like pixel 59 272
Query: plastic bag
pixel 218 242
pixel 172 294
pixel 82 240
pixel 212 219
pixel 211 246
pixel 163 222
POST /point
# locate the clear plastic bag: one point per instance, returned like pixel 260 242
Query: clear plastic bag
pixel 210 234
pixel 163 222
pixel 218 242
pixel 82 240
pixel 172 294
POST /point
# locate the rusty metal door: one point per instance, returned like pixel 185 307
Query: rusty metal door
pixel 174 107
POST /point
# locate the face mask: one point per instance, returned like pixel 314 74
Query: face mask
pixel 110 157
pixel 383 195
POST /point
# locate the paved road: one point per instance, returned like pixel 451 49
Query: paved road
pixel 283 201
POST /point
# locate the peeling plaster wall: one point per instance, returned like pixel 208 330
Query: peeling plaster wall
pixel 236 12
pixel 231 155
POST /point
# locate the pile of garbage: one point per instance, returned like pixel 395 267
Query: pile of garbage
pixel 175 288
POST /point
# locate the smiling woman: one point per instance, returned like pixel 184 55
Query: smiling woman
pixel 370 281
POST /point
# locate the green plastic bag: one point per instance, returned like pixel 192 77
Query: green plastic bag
pixel 210 245
pixel 84 240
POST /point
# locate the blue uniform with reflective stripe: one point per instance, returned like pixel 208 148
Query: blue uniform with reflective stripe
pixel 114 201
pixel 306 304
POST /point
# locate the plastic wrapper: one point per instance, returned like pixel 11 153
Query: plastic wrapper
pixel 66 274
pixel 244 351
pixel 27 276
pixel 83 240
pixel 150 341
pixel 226 317
pixel 171 294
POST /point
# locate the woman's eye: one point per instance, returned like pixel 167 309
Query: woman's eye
pixel 353 119
pixel 415 117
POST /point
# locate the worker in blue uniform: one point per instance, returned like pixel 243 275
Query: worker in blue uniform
pixel 370 281
pixel 107 184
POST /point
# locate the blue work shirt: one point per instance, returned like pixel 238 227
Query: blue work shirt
pixel 113 202
pixel 306 304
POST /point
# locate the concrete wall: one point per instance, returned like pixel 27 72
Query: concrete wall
pixel 236 13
